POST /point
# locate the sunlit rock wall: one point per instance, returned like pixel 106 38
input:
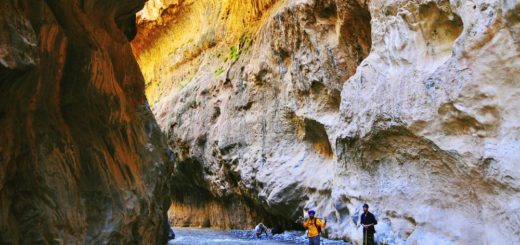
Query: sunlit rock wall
pixel 410 106
pixel 82 160
pixel 173 34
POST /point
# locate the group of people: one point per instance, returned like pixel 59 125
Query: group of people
pixel 315 225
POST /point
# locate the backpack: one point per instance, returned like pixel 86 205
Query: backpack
pixel 317 227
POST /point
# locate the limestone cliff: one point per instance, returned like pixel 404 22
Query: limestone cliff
pixel 410 106
pixel 82 160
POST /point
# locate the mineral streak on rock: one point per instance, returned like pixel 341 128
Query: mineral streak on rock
pixel 82 160
pixel 410 106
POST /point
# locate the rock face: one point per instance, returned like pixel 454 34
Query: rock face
pixel 82 160
pixel 410 106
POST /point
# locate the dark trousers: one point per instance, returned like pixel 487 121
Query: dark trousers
pixel 314 240
pixel 368 238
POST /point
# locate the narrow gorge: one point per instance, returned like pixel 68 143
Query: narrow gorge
pixel 273 106
pixel 119 116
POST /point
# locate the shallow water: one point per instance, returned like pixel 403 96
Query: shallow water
pixel 198 236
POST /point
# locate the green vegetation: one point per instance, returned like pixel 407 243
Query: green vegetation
pixel 218 71
pixel 180 85
pixel 234 53
pixel 245 42
pixel 193 104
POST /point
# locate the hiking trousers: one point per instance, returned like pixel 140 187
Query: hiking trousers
pixel 368 238
pixel 314 240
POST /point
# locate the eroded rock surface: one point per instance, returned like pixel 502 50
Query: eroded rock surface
pixel 82 160
pixel 410 106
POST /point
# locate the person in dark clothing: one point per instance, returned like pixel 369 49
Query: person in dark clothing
pixel 368 221
pixel 259 229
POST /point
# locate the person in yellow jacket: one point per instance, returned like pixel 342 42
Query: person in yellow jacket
pixel 314 225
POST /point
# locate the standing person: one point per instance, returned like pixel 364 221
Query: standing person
pixel 315 226
pixel 259 229
pixel 368 221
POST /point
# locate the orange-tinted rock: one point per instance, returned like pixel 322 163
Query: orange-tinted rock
pixel 81 157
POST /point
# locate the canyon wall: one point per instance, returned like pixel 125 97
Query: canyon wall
pixel 274 106
pixel 82 160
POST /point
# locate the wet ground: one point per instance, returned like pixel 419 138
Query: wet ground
pixel 198 236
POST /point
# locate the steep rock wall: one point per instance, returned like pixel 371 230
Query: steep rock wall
pixel 82 160
pixel 174 33
pixel 410 106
